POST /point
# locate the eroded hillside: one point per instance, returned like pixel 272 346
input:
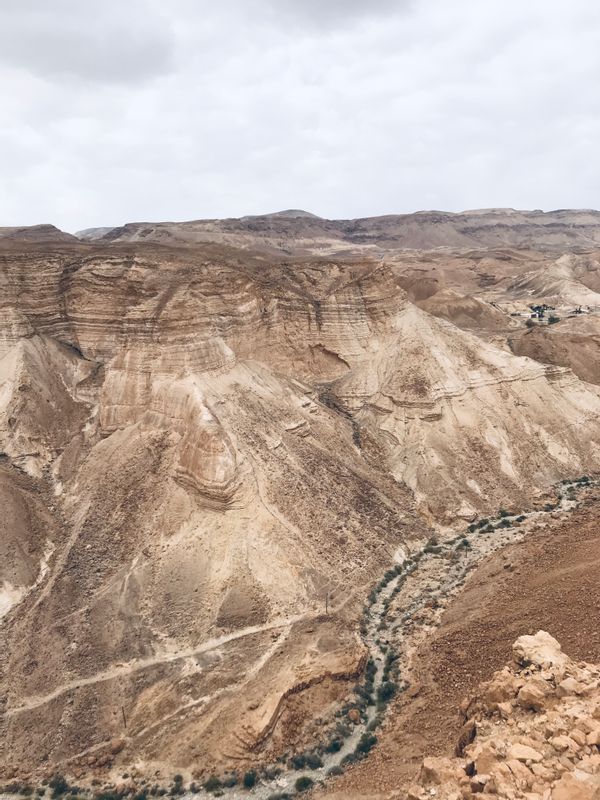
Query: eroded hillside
pixel 204 448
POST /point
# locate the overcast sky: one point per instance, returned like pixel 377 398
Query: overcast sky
pixel 127 110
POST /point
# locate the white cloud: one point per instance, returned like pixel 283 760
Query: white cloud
pixel 115 112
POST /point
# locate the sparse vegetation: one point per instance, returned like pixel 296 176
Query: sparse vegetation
pixel 303 783
pixel 334 745
pixel 212 784
pixel 386 691
pixel 250 779
pixel 58 785
pixel 314 761
pixel 366 743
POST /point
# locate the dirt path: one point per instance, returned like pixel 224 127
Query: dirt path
pixel 119 671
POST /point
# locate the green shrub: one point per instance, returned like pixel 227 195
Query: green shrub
pixel 366 743
pixel 212 784
pixel 334 746
pixel 298 761
pixel 303 783
pixel 386 691
pixel 250 779
pixel 364 694
pixel 313 761
pixel 58 785
pixel 335 770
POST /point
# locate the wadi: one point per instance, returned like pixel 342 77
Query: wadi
pixel 275 494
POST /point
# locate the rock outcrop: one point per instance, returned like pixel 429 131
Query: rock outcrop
pixel 531 733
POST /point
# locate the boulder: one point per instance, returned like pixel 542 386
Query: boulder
pixel 541 650
pixel 524 753
pixel 576 787
pixel 534 694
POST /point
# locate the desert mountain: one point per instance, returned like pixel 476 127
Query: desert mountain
pixel 303 232
pixel 207 442
pixel 35 233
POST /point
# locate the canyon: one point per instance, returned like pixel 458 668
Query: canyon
pixel 217 436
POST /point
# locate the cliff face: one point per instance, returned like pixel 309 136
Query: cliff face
pixel 210 441
pixel 191 501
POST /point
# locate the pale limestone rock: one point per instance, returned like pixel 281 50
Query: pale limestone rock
pixel 569 686
pixel 541 650
pixel 575 787
pixel 534 694
pixel 563 743
pixel 521 752
pixel 543 746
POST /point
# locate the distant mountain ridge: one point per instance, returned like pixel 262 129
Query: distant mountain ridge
pixel 306 232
